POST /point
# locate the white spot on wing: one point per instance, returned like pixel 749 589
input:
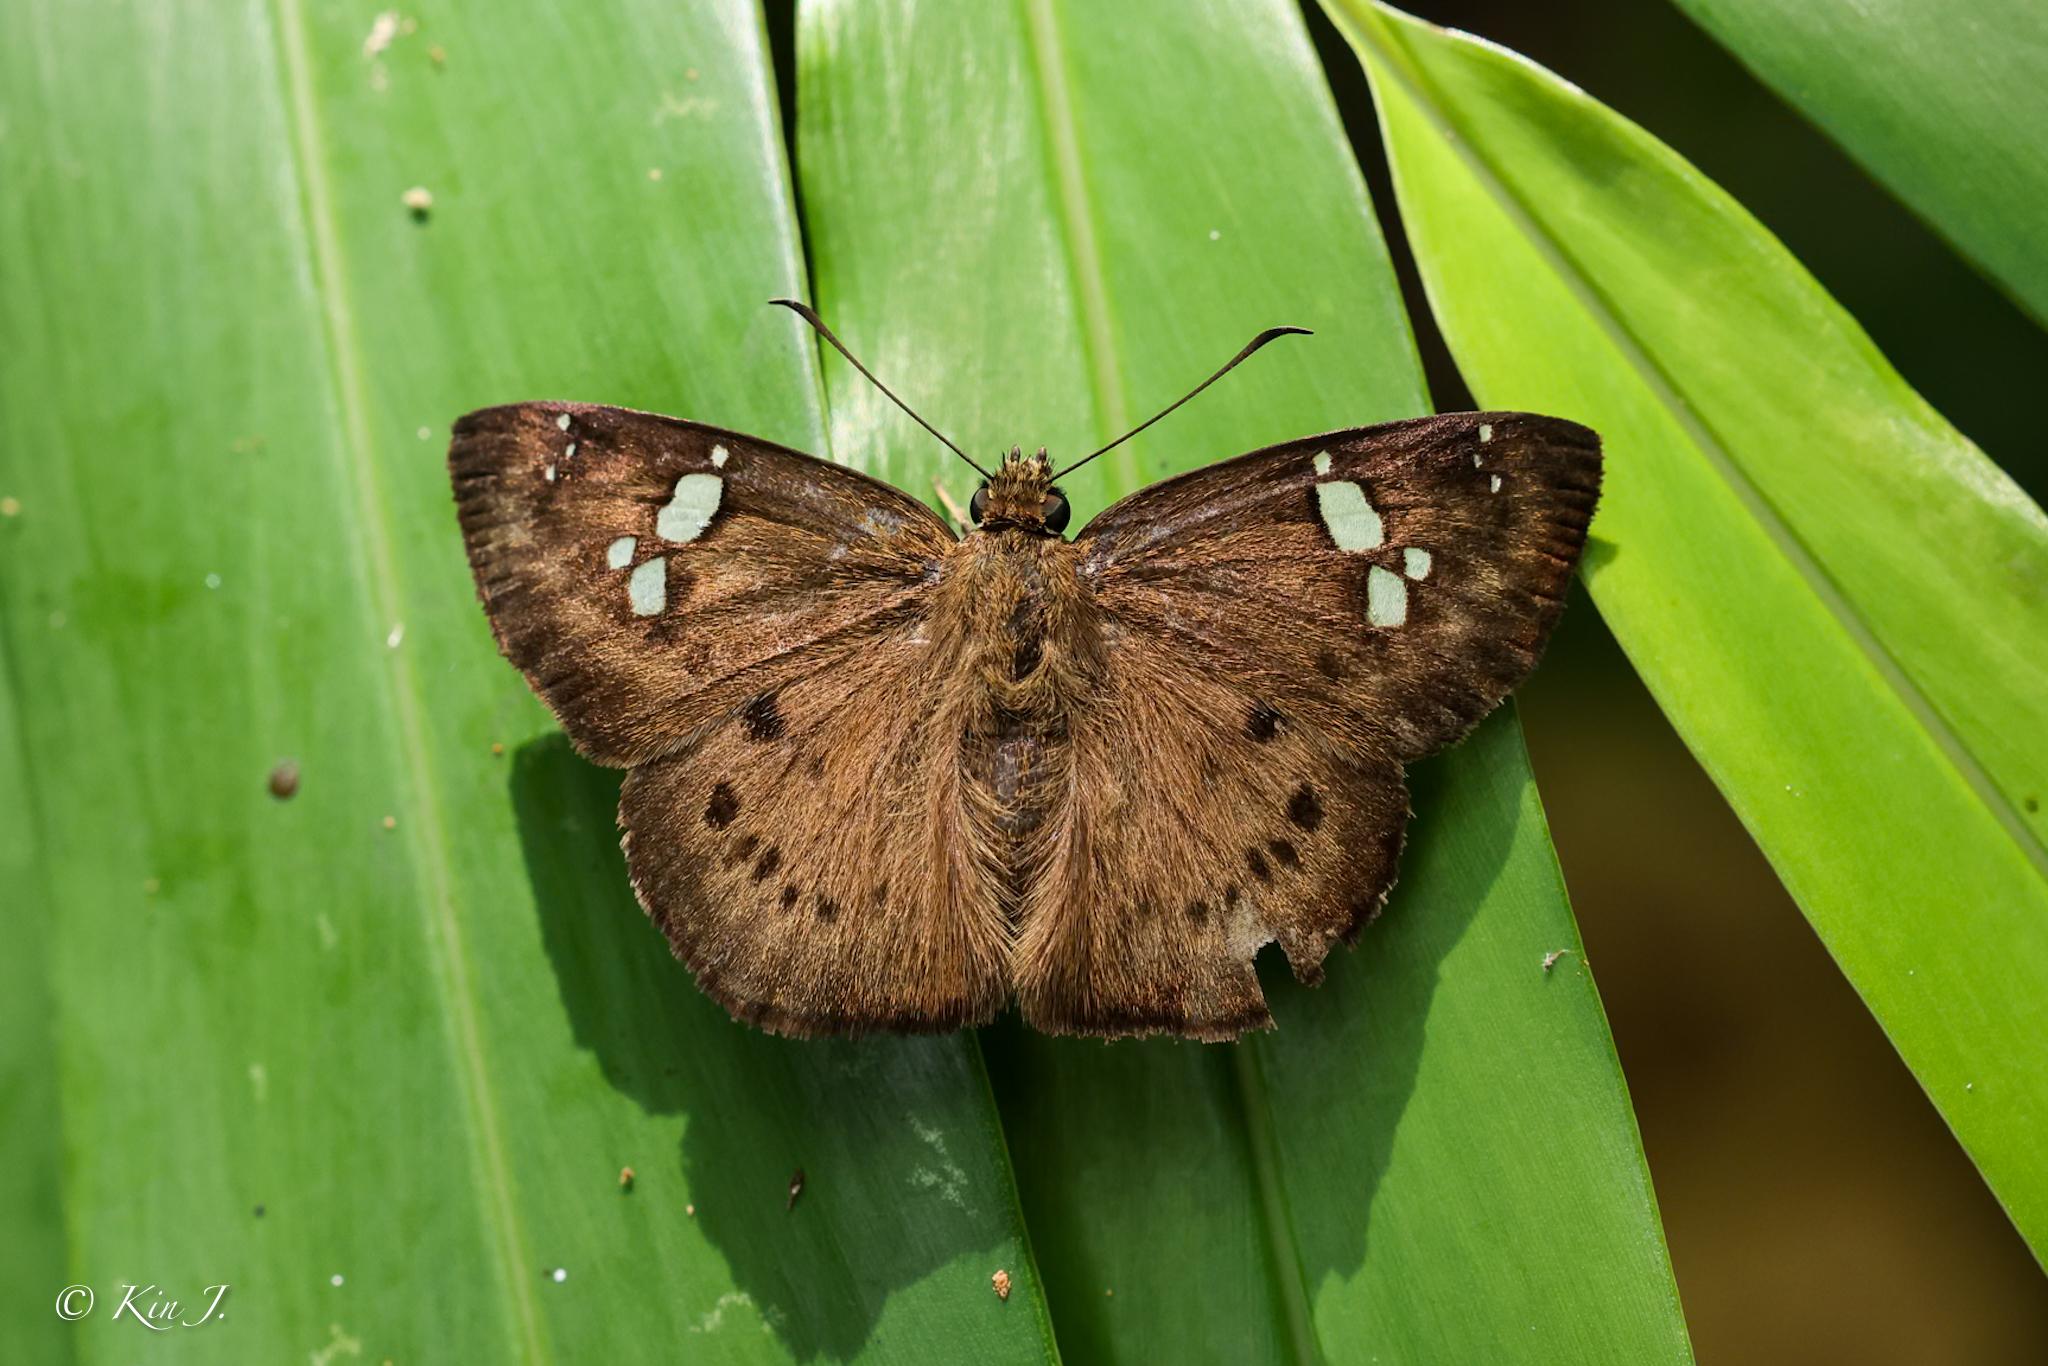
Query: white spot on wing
pixel 685 515
pixel 1322 462
pixel 1493 484
pixel 619 553
pixel 1353 523
pixel 562 421
pixel 571 451
pixel 1415 563
pixel 719 455
pixel 1486 431
pixel 549 474
pixel 648 588
pixel 1386 598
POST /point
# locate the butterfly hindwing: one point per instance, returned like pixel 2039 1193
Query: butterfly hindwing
pixel 646 573
pixel 806 856
pixel 1201 824
pixel 1280 634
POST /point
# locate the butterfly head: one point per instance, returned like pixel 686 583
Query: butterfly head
pixel 1020 495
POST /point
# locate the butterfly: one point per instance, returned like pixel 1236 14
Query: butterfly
pixel 887 776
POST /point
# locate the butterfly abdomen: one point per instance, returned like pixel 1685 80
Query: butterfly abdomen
pixel 1010 596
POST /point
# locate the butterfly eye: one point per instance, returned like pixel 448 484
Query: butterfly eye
pixel 1056 511
pixel 978 504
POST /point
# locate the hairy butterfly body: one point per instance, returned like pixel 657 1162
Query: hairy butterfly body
pixel 887 777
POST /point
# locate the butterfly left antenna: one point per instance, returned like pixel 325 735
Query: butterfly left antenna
pixel 1254 344
pixel 804 311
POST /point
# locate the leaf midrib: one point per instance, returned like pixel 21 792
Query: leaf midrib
pixel 426 838
pixel 1667 393
pixel 1084 253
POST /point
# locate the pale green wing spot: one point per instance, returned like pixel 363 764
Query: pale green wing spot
pixel 1386 598
pixel 690 511
pixel 1485 431
pixel 619 553
pixel 562 421
pixel 648 588
pixel 1493 485
pixel 1322 462
pixel 719 455
pixel 1415 563
pixel 1353 523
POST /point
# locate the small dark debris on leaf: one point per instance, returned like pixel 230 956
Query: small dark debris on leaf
pixel 419 202
pixel 284 780
pixel 259 1211
pixel 497 748
pixel 796 1187
pixel 625 1178
pixel 1550 959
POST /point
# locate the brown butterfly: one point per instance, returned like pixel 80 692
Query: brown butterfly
pixel 887 777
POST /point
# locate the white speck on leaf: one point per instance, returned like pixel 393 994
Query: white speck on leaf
pixel 382 30
pixel 338 1344
pixel 946 1177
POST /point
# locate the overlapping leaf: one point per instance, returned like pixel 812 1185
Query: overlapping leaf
pixel 1944 103
pixel 1835 597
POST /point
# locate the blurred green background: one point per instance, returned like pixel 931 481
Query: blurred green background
pixel 1817 1208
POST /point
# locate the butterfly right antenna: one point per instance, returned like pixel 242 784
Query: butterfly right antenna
pixel 1254 344
pixel 805 312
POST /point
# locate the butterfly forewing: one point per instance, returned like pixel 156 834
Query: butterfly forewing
pixel 1389 584
pixel 649 574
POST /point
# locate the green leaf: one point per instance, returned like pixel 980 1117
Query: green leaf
pixel 33 1257
pixel 383 1080
pixel 1943 103
pixel 1834 596
pixel 1076 214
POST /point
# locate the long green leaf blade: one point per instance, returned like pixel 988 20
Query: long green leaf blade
pixel 1073 217
pixel 1943 103
pixel 302 1048
pixel 1836 598
pixel 34 1264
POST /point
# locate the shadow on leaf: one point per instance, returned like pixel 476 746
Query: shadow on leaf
pixel 900 1179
